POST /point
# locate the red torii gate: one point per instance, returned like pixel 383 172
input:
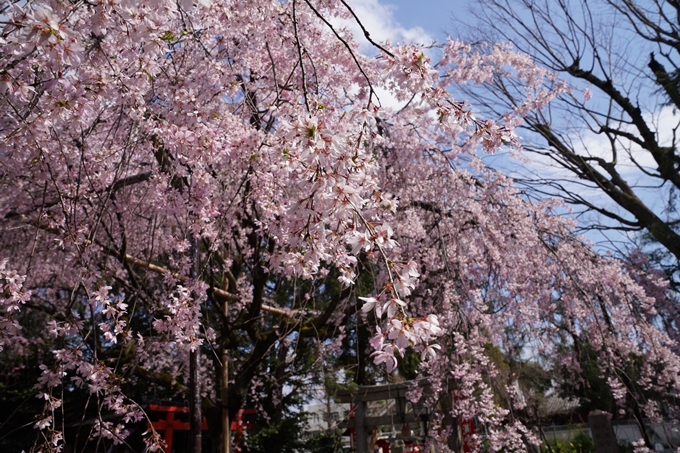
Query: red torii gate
pixel 239 425
pixel 169 424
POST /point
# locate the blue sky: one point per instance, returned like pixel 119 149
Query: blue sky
pixel 432 15
pixel 399 20
pixel 426 20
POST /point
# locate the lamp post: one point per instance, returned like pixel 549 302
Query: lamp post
pixel 422 410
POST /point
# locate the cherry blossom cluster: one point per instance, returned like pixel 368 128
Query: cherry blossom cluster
pixel 11 299
pixel 409 72
pixel 168 162
pixel 182 323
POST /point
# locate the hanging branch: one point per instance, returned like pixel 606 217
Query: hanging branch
pixel 299 49
pixel 367 35
pixel 351 52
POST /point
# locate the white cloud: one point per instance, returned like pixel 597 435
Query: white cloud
pixel 664 122
pixel 378 19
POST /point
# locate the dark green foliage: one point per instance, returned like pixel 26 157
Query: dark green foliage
pixel 408 366
pixel 580 443
pixel 19 407
pixel 283 436
pixel 325 442
pixel 591 388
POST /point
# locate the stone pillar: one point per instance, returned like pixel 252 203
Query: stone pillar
pixel 360 426
pixel 453 441
pixel 602 432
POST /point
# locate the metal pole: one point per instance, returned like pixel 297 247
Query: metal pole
pixel 226 425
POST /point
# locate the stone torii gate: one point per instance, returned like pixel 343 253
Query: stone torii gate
pixel 397 391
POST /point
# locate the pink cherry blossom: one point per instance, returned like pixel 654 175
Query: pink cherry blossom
pixel 166 167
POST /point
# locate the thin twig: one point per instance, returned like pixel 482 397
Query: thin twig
pixel 276 82
pixel 351 52
pixel 367 35
pixel 299 49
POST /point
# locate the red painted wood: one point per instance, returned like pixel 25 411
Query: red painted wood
pixel 169 424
